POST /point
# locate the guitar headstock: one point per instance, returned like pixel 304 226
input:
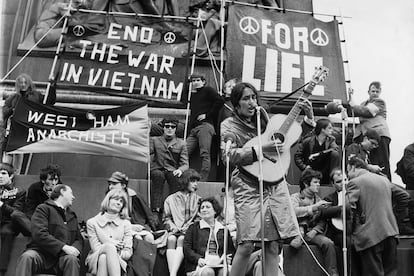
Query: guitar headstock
pixel 320 74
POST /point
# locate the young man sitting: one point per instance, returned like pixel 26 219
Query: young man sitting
pixel 12 219
pixel 307 205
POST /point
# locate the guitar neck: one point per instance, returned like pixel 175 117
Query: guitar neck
pixel 295 111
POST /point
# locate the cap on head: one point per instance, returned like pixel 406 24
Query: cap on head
pixel 118 177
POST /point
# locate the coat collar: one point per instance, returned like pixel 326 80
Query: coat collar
pixel 131 192
pixel 68 213
pixel 361 172
pixel 7 187
pixel 104 219
pixel 171 142
pixel 217 225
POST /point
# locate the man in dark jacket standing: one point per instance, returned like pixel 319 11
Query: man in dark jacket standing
pixel 56 241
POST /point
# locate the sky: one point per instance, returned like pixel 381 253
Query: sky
pixel 380 46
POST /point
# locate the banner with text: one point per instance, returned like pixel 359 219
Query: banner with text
pixel 129 56
pixel 121 132
pixel 277 52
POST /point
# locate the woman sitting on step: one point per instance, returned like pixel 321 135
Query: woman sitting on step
pixel 180 210
pixel 110 236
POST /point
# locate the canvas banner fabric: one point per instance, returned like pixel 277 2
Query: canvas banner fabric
pixel 120 132
pixel 131 55
pixel 277 52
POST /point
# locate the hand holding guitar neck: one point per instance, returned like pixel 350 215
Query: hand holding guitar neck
pixel 284 129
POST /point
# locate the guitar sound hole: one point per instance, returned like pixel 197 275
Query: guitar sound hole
pixel 278 137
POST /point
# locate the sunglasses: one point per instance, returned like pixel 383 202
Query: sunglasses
pixel 170 126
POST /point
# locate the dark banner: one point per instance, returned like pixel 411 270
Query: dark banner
pixel 128 56
pixel 277 52
pixel 120 132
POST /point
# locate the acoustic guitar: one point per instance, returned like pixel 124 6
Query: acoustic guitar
pixel 285 131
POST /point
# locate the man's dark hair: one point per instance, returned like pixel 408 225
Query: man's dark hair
pixel 237 93
pixel 198 77
pixel 306 177
pixel 169 120
pixel 321 124
pixel 57 191
pixel 7 167
pixel 372 134
pixel 188 176
pixel 357 162
pixel 216 206
pixel 377 84
pixel 52 170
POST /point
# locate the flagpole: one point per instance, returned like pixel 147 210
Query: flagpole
pixel 149 166
pixel 52 70
pixel 222 15
pixel 190 87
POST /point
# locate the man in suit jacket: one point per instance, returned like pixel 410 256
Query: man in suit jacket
pixel 169 159
pixel 56 241
pixel 375 227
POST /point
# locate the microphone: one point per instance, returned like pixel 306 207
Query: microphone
pixel 333 108
pixel 229 138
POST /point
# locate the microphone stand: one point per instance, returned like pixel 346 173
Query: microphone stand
pixel 260 178
pixel 226 213
pixel 344 247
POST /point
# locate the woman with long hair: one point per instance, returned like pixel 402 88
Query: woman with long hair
pixel 279 218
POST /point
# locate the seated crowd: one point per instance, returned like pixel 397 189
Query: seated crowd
pixel 191 230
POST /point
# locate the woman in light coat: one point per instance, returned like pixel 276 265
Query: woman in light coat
pixel 110 236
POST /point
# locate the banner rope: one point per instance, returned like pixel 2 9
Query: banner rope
pixel 212 59
pixel 281 9
pixel 31 49
pixel 139 15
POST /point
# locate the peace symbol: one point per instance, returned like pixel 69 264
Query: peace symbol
pixel 169 37
pixel 78 30
pixel 319 37
pixel 249 25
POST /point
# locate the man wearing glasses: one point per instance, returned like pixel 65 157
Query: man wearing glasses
pixel 169 159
